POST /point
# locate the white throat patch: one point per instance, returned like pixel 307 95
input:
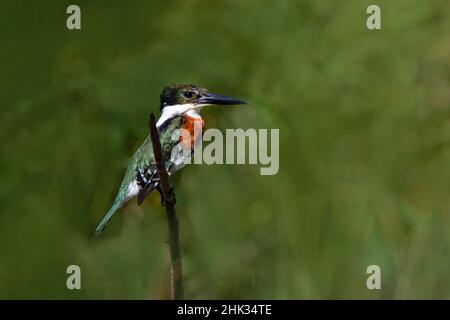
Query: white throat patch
pixel 178 109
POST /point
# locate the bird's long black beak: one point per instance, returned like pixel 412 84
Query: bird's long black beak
pixel 219 99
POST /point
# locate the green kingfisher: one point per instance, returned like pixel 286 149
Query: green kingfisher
pixel 180 106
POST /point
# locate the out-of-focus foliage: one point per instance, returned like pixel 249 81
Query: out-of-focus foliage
pixel 364 148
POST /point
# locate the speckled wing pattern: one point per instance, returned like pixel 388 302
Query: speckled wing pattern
pixel 144 169
pixel 141 171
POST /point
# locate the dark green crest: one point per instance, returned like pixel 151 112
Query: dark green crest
pixel 181 94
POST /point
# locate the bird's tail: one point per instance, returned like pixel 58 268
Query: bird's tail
pixel 101 226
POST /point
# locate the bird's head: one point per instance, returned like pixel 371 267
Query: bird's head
pixel 194 96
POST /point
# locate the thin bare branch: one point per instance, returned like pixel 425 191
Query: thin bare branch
pixel 176 274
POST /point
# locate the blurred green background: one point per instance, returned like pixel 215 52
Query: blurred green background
pixel 364 148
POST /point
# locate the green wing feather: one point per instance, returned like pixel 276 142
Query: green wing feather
pixel 143 160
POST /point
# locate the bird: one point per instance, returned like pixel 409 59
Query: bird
pixel 180 106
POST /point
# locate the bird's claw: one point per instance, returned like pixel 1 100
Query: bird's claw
pixel 174 200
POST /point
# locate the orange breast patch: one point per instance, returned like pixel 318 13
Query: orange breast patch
pixel 194 127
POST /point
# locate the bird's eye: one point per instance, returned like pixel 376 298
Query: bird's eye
pixel 188 94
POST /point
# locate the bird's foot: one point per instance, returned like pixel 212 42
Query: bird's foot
pixel 174 200
pixel 158 188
